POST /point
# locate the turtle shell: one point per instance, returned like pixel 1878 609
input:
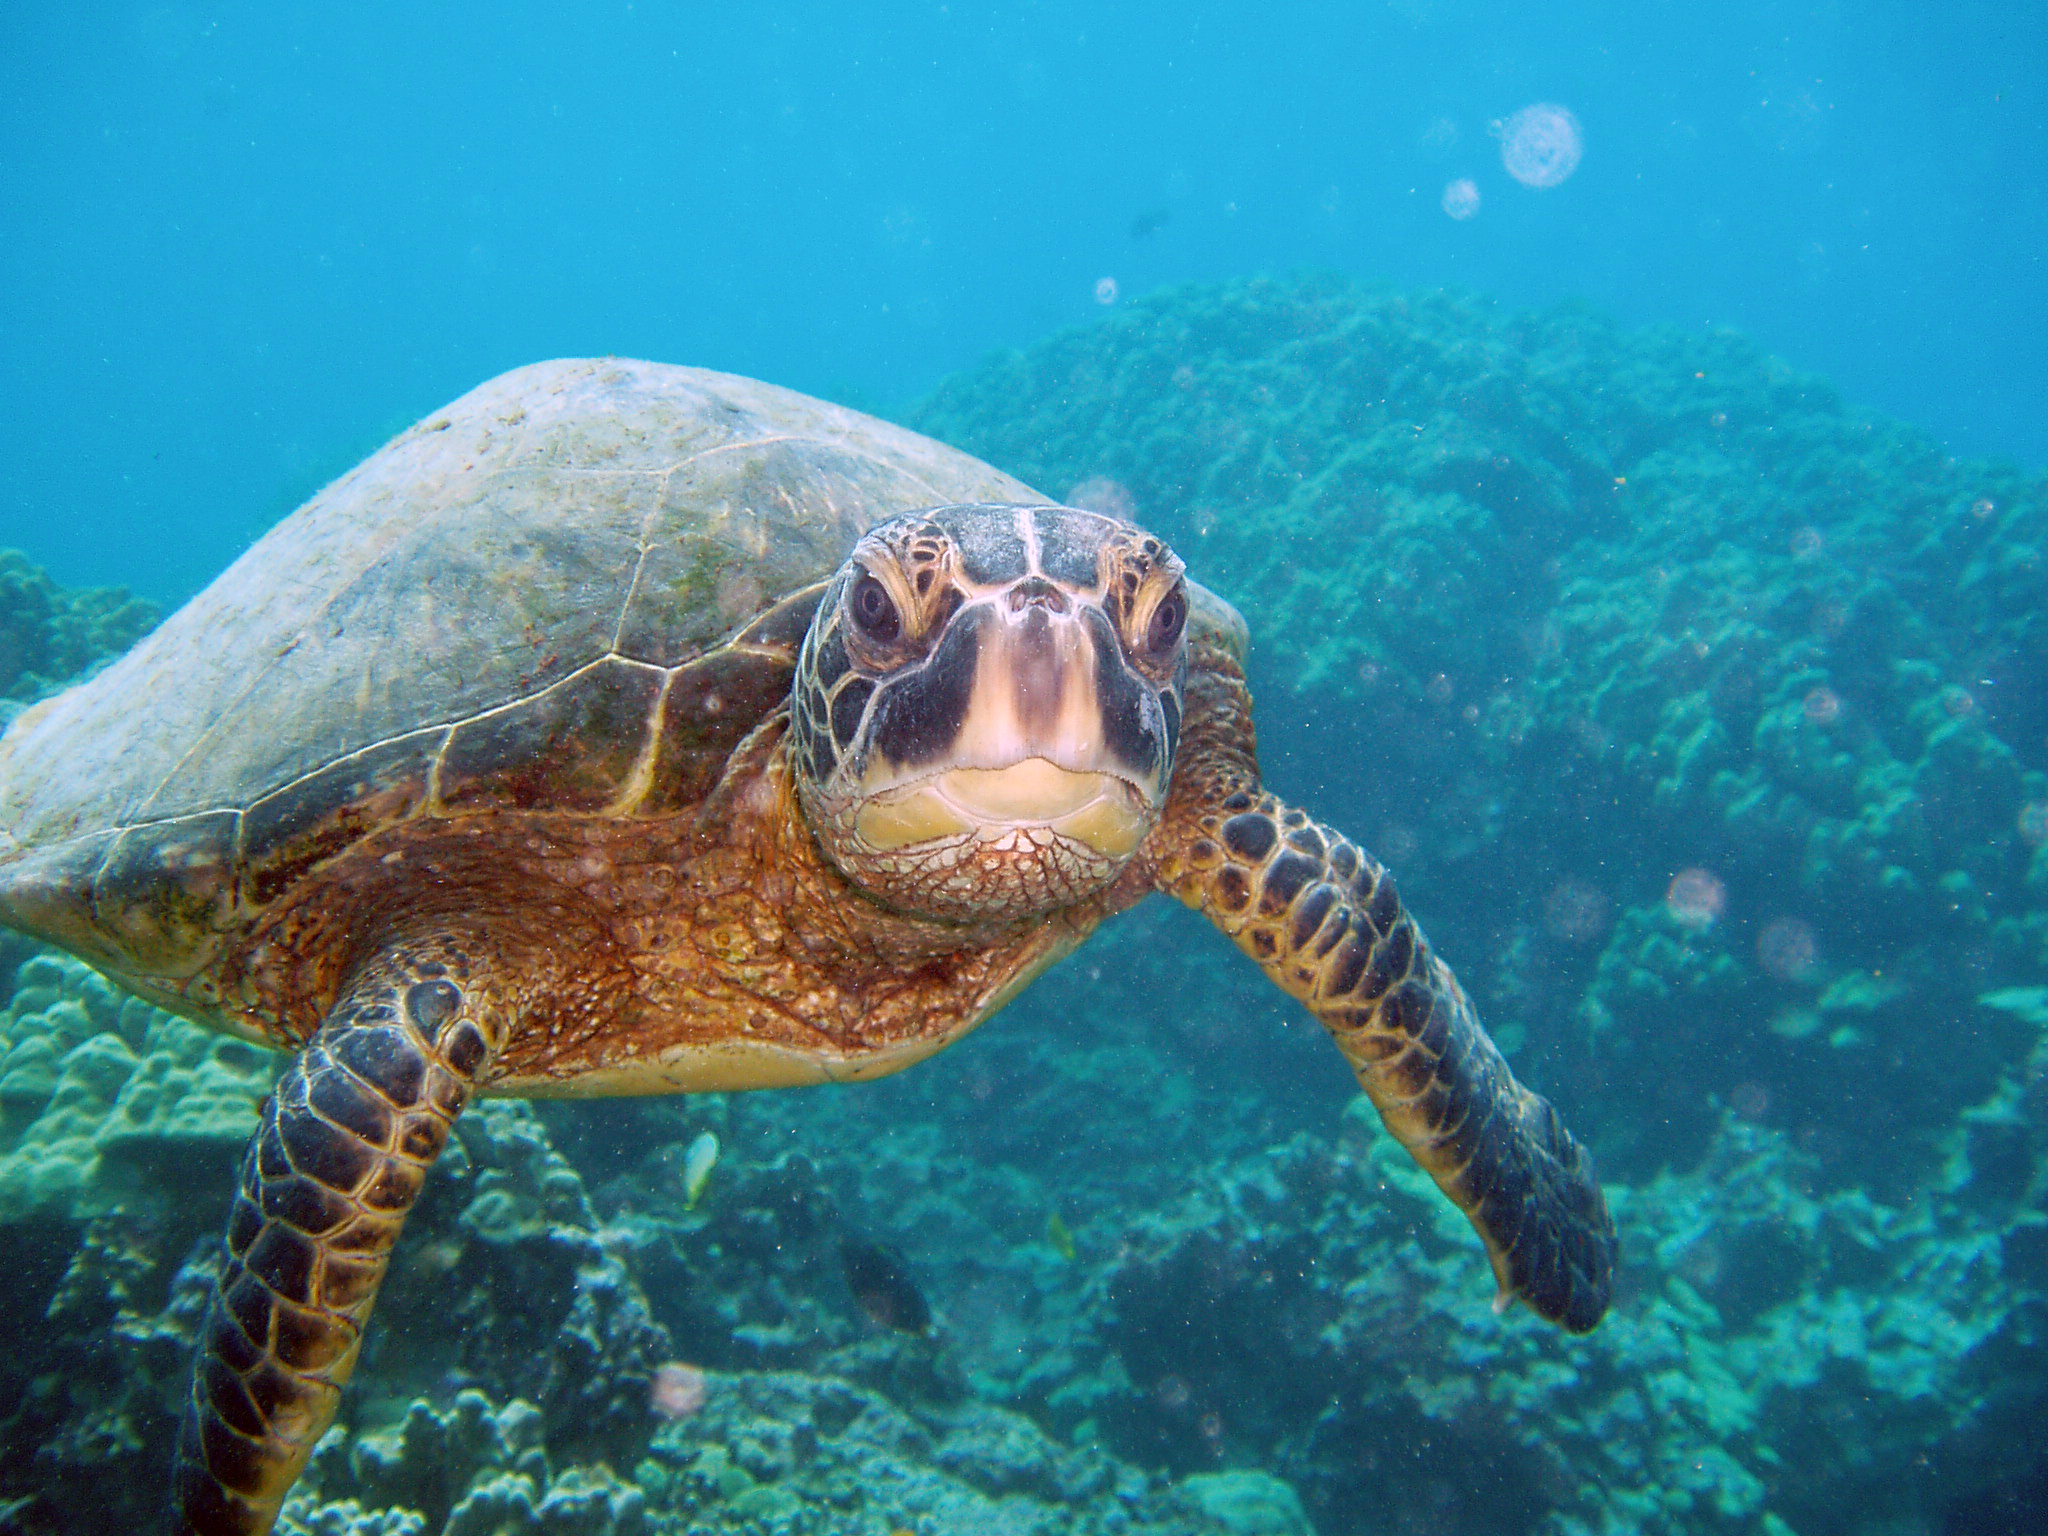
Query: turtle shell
pixel 572 592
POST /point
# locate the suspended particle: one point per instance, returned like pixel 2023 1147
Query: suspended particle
pixel 1540 145
pixel 1461 198
pixel 1099 493
pixel 1172 1393
pixel 1575 911
pixel 1397 844
pixel 1823 706
pixel 2033 823
pixel 1697 898
pixel 677 1391
pixel 1750 1100
pixel 1787 949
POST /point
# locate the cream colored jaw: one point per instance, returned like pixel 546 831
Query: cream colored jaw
pixel 1100 810
pixel 1025 756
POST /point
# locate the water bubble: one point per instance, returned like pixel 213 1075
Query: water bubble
pixel 1700 1262
pixel 2033 822
pixel 1593 737
pixel 1807 544
pixel 1541 144
pixel 1440 137
pixel 1099 493
pixel 1398 843
pixel 1750 1100
pixel 1697 898
pixel 1439 688
pixel 1718 419
pixel 1461 198
pixel 1823 706
pixel 1982 508
pixel 1787 949
pixel 1575 911
pixel 1105 290
pixel 1959 702
pixel 677 1391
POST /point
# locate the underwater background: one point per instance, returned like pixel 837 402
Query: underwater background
pixel 1621 427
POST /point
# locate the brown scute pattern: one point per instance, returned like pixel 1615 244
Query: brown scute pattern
pixel 779 631
pixel 557 515
pixel 570 749
pixel 161 896
pixel 710 707
pixel 341 1153
pixel 288 833
pixel 1323 917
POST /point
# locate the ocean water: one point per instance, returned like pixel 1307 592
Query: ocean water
pixel 1621 430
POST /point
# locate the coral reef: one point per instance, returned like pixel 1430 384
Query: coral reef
pixel 49 635
pixel 111 1112
pixel 474 1469
pixel 1314 1309
pixel 104 1099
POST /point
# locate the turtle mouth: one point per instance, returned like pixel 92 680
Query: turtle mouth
pixel 1104 812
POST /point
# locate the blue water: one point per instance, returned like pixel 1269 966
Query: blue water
pixel 241 243
pixel 1648 566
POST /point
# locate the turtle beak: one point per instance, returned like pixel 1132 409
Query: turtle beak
pixel 1098 810
pixel 1049 733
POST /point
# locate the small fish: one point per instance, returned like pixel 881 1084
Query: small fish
pixel 697 1165
pixel 881 1283
pixel 1061 1236
pixel 1149 223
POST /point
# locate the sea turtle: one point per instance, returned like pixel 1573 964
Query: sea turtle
pixel 626 728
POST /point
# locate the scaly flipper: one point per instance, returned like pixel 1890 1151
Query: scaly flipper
pixel 343 1148
pixel 1322 917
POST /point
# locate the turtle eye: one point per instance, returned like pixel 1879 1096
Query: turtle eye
pixel 874 610
pixel 1163 630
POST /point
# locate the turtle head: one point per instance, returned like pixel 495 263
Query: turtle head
pixel 986 707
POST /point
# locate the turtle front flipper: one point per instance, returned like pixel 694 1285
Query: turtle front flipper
pixel 1323 919
pixel 343 1148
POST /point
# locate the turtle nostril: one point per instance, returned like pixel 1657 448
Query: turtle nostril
pixel 1037 592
